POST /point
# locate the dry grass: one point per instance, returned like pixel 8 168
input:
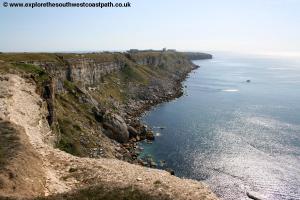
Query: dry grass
pixel 9 142
pixel 103 192
pixel 18 174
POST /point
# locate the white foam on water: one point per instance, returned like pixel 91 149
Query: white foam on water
pixel 278 68
pixel 230 90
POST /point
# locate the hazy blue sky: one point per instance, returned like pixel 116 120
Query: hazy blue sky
pixel 232 25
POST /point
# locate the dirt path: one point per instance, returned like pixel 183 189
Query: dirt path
pixel 63 172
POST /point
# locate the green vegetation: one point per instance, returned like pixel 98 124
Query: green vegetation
pixel 70 86
pixel 69 116
pixel 98 57
pixel 114 88
pixel 18 57
pixel 74 122
pixel 40 75
pixel 69 132
pixel 134 73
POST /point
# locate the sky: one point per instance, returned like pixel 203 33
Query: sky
pixel 260 26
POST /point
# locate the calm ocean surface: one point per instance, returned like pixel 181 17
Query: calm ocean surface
pixel 235 136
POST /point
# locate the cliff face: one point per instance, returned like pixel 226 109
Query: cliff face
pixel 153 59
pixel 90 72
pixel 89 69
pixel 82 91
pixel 82 70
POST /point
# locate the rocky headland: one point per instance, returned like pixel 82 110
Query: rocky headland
pixel 76 116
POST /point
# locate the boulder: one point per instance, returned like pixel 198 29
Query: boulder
pixel 150 135
pixel 132 131
pixel 116 127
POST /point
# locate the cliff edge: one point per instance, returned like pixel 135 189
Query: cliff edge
pixel 46 102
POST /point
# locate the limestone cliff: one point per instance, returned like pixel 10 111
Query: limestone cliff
pixel 87 105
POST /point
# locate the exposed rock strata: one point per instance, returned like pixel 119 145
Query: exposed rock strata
pixel 83 90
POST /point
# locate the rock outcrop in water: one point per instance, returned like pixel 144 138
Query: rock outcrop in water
pixel 87 105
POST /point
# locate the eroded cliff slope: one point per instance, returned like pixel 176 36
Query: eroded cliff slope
pixel 85 105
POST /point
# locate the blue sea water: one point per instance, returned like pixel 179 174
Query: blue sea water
pixel 235 136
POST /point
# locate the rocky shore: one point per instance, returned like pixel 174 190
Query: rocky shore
pixel 140 132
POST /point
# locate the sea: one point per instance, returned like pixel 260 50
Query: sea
pixel 236 128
